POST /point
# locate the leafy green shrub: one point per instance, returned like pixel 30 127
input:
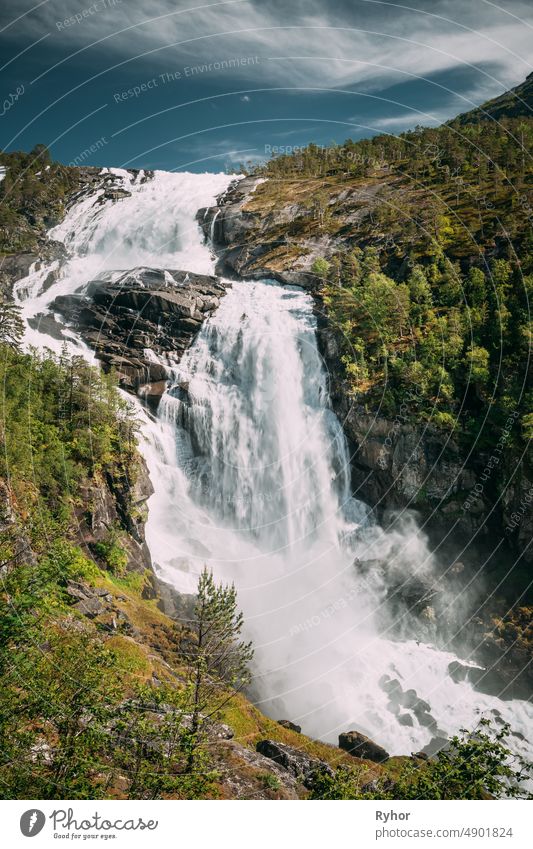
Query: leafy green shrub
pixel 270 781
pixel 113 554
pixel 320 267
pixel 474 765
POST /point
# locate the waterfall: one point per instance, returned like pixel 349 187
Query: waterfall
pixel 251 475
pixel 154 227
pixel 212 227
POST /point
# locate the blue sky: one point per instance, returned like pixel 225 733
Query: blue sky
pixel 203 86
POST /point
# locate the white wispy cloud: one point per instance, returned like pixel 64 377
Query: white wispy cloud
pixel 361 43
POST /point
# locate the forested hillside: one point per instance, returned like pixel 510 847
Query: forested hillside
pixel 429 288
pixel 32 197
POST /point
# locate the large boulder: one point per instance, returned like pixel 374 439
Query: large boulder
pixel 360 746
pixel 286 723
pixel 139 321
pixel 246 774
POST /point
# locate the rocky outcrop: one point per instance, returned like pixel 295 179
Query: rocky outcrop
pixel 359 746
pixel 408 707
pixel 502 646
pixel 246 236
pixel 301 765
pixel 102 608
pixel 179 606
pixel 399 465
pixel 141 321
pixel 286 723
pixel 245 774
pixel 30 226
pixel 14 267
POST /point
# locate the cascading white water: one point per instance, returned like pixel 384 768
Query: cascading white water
pixel 155 227
pixel 250 470
pixel 253 467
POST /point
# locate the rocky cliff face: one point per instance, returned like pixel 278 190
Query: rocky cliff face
pixel 397 465
pixel 141 313
pixel 117 507
pixel 258 241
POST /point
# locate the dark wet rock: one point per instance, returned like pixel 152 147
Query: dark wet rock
pixel 392 687
pixel 405 719
pixel 489 681
pixel 497 717
pixel 301 765
pixel 365 567
pixel 458 672
pixel 286 723
pixel 503 646
pixel 408 699
pixel 179 606
pixel 501 680
pixel 115 194
pixel 426 720
pixel 435 745
pixel 16 266
pixel 226 222
pixel 152 392
pixel 360 746
pixel 413 593
pixel 143 310
pixel 412 701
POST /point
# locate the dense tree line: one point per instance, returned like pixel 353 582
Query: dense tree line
pixel 445 346
pixel 32 197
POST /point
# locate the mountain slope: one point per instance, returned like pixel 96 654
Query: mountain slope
pixel 515 103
